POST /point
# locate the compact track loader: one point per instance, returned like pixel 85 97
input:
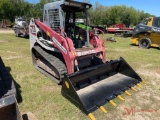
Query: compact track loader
pixel 8 103
pixel 76 58
pixel 147 33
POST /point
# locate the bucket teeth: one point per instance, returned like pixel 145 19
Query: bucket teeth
pixel 128 93
pixel 144 82
pixel 103 109
pixel 112 103
pixel 139 86
pixel 120 97
pixel 91 116
pixel 134 89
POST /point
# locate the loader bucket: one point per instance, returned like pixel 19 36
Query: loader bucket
pixel 7 86
pixel 9 108
pixel 93 87
pixel 8 103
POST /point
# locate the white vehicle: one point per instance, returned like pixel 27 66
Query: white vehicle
pixel 21 27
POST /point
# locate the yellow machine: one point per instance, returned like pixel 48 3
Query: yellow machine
pixel 147 33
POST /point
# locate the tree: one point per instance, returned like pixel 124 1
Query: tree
pixel 99 14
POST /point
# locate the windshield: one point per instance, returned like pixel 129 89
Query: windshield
pixel 145 21
pixel 20 19
pixel 79 18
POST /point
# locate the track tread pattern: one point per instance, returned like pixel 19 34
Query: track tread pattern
pixel 53 60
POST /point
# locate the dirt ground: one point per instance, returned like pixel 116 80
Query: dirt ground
pixel 6 31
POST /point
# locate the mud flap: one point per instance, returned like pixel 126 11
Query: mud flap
pixel 93 87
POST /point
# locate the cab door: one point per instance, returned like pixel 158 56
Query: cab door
pixel 54 19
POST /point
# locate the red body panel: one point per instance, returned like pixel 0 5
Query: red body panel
pixel 66 47
pixel 118 28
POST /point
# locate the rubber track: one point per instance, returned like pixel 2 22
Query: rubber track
pixel 53 60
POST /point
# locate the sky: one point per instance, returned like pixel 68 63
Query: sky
pixel 148 6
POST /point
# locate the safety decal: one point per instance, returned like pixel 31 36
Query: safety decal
pixel 33 30
pixel 86 52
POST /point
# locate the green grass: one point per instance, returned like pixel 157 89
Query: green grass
pixel 43 98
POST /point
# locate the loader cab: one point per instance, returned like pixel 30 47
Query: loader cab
pixel 147 21
pixel 151 21
pixel 156 22
pixel 20 20
pixel 53 15
pixel 67 15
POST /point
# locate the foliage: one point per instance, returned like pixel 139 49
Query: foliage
pixel 99 14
